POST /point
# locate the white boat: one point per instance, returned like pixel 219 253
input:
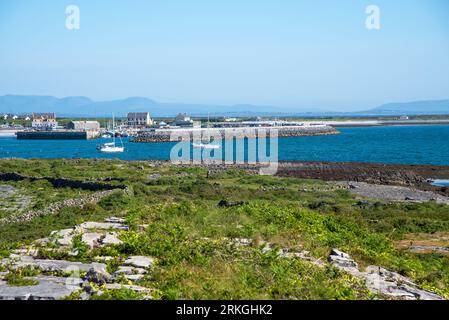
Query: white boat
pixel 206 146
pixel 111 147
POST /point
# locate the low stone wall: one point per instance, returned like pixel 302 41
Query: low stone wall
pixel 189 134
pixel 57 206
pixel 63 182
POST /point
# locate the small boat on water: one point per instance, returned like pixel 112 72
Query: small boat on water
pixel 111 147
pixel 206 146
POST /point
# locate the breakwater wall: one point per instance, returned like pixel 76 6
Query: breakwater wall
pixel 374 123
pixel 56 135
pixel 191 134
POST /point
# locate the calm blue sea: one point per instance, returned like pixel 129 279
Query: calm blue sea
pixel 389 144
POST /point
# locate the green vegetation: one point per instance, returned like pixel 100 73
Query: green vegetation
pixel 192 238
pixel 17 277
pixel 119 294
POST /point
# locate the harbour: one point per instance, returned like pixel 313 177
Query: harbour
pixel 417 144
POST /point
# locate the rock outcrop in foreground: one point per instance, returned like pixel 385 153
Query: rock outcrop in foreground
pixel 58 279
pixel 382 281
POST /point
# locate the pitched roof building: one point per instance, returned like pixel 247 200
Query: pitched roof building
pixel 139 119
pixel 44 120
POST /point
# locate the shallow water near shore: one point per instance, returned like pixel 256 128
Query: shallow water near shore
pixel 441 183
pixel 389 144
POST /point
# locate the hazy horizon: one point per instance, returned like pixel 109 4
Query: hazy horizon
pixel 295 55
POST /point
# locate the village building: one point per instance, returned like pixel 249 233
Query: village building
pixel 139 119
pixel 44 120
pixel 183 120
pixel 84 125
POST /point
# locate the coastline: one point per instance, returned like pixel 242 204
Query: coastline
pixel 376 123
pixel 409 175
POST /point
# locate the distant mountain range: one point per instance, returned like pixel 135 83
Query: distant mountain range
pixel 413 108
pixel 85 107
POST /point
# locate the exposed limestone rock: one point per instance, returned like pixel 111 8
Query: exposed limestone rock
pixel 103 226
pixel 115 220
pixel 92 239
pixel 343 261
pixel 49 288
pixel 111 239
pixel 48 265
pixel 98 274
pixel 134 277
pixel 63 237
pixel 380 280
pixel 242 241
pixel 139 262
pixel 126 270
pixel 33 252
pixel 103 258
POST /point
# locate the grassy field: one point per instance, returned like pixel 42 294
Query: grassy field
pixel 189 234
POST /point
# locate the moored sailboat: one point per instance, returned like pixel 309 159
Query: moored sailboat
pixel 111 147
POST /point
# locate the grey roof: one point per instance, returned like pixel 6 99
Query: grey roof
pixel 49 115
pixel 138 114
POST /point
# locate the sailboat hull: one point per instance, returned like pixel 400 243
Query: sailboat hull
pixel 112 149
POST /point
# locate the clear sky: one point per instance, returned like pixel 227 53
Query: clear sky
pixel 297 54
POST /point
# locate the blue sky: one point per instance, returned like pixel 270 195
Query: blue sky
pixel 291 54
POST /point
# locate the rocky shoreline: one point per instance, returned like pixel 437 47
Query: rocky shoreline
pixel 416 176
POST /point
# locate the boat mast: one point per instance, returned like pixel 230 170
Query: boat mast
pixel 113 129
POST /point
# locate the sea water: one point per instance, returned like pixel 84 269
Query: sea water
pixel 388 144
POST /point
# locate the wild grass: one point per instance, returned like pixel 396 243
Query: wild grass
pixel 191 237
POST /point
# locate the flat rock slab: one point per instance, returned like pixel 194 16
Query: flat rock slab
pixel 111 239
pixel 134 277
pixel 49 288
pixel 92 239
pixel 139 262
pixel 115 220
pixel 50 265
pixel 129 270
pixel 63 237
pixel 103 226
